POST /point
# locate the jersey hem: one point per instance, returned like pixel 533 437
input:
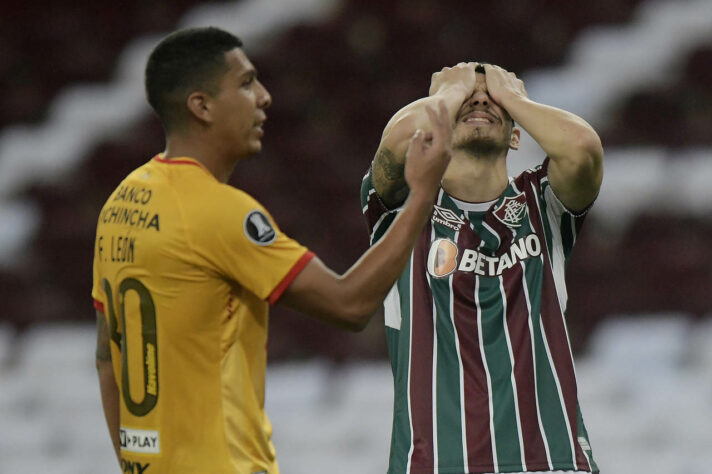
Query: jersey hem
pixel 98 305
pixel 544 468
pixel 290 276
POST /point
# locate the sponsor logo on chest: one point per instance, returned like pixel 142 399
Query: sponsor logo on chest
pixel 444 257
pixel 446 217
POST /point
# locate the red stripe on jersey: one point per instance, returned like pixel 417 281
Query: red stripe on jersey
pixel 290 276
pixel 477 415
pixel 552 320
pixel 520 337
pixel 98 305
pixel 421 359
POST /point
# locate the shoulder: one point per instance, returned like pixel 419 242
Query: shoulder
pixel 537 175
pixel 223 211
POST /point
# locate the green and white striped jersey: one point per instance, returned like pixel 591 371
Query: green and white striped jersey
pixel 484 377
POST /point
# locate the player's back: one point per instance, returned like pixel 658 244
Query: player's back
pixel 189 354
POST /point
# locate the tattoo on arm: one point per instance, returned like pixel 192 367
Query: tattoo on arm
pixel 389 178
pixel 103 345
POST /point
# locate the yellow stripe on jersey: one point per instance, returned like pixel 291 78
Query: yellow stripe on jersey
pixel 183 267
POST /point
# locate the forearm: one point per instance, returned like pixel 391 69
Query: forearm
pixel 573 146
pixel 561 134
pixel 109 401
pixel 349 300
pixel 368 281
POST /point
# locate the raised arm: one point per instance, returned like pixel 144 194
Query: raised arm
pixel 350 299
pixel 575 150
pixel 452 86
pixel 107 382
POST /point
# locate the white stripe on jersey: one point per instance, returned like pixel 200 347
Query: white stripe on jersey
pixel 410 359
pixel 553 214
pixel 392 308
pixel 434 381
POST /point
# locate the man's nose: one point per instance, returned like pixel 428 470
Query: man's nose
pixel 264 98
pixel 480 98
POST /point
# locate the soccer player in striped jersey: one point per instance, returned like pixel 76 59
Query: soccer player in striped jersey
pixel 185 266
pixel 476 324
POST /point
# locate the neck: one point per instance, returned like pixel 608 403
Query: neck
pixel 200 149
pixel 475 178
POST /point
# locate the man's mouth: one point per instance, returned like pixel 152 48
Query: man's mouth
pixel 479 118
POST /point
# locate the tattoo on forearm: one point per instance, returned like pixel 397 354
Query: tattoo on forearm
pixel 388 178
pixel 103 346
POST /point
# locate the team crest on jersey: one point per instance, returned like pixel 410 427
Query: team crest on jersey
pixel 512 210
pixel 447 218
pixel 442 258
pixel 258 228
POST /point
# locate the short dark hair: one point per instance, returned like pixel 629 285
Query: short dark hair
pixel 183 62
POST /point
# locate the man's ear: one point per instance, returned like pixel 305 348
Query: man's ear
pixel 199 106
pixel 514 139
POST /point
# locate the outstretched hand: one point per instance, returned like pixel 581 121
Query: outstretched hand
pixel 428 154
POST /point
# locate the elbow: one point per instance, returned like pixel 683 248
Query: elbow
pixel 586 159
pixel 590 148
pixel 356 319
pixel 357 313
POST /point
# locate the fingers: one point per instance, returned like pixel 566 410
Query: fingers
pixel 440 121
pixel 416 144
pixel 417 140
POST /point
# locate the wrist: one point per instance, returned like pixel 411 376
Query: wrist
pixel 422 198
pixel 510 100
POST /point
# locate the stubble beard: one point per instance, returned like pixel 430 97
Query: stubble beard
pixel 482 146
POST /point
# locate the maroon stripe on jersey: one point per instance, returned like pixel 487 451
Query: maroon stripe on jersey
pixel 477 429
pixel 520 337
pixel 421 358
pixel 552 321
pixel 98 305
pixel 374 211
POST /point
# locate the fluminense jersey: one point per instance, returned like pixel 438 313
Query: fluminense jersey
pixel 483 372
pixel 184 267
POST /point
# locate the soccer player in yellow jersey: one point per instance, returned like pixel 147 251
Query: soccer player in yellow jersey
pixel 186 266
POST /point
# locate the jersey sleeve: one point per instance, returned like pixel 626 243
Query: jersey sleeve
pixel 563 224
pixel 378 217
pixel 240 240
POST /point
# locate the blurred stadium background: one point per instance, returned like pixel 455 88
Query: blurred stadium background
pixel 73 122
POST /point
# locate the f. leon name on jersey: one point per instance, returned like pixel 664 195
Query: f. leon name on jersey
pixel 444 258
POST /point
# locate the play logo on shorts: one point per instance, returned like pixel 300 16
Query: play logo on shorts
pixel 139 441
